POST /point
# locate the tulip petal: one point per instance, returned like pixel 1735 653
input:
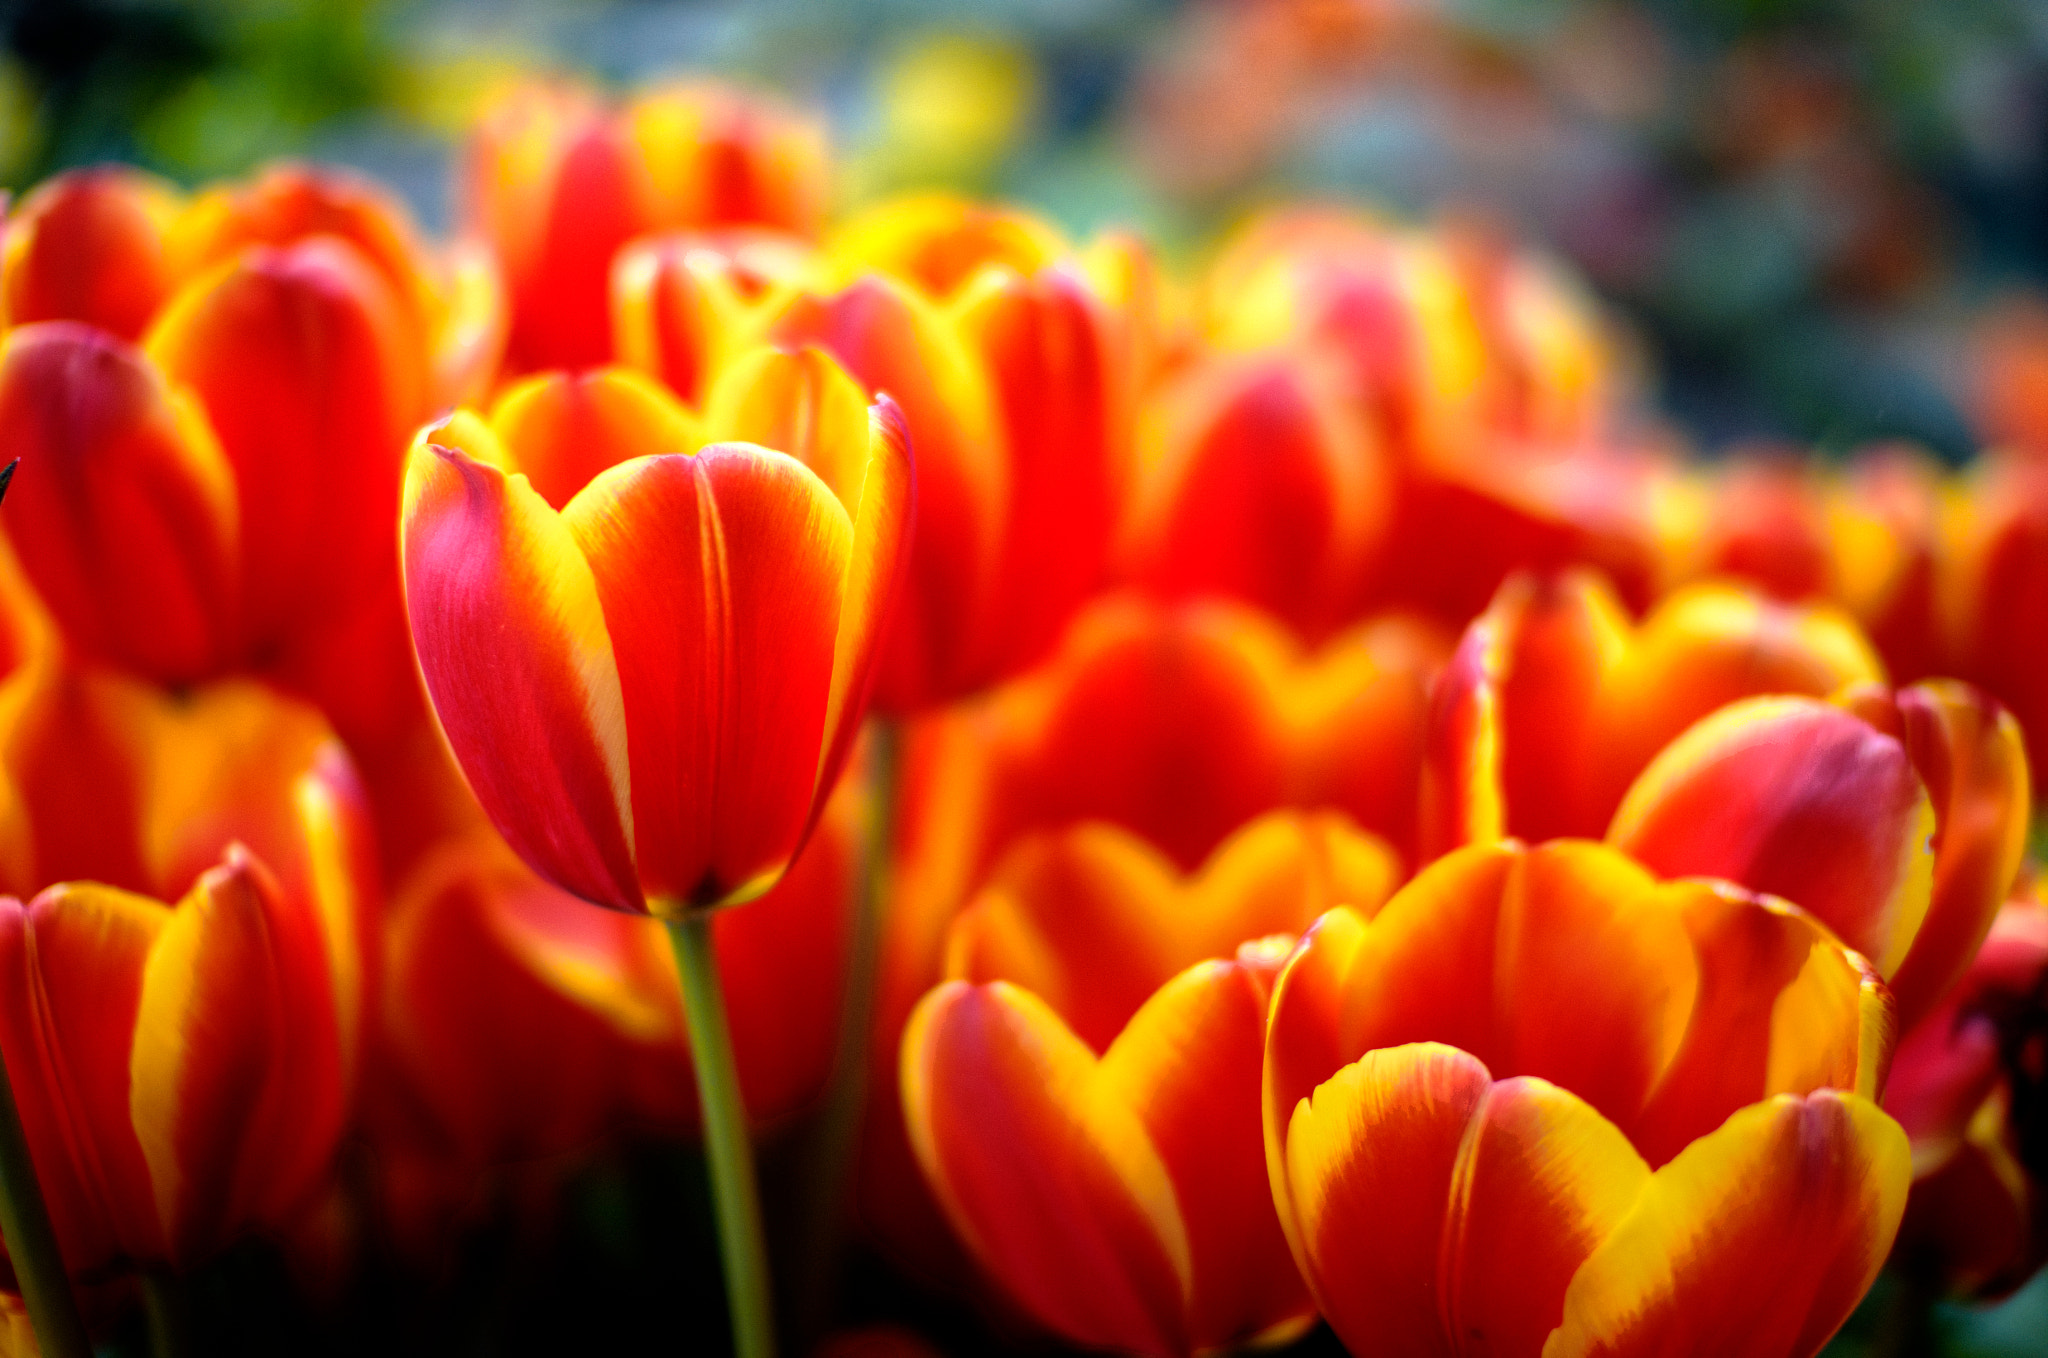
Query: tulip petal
pixel 1800 799
pixel 1968 750
pixel 1188 1064
pixel 236 1078
pixel 1044 1169
pixel 562 429
pixel 313 376
pixel 124 512
pixel 1760 1237
pixel 1379 1143
pixel 71 966
pixel 897 345
pixel 512 643
pixel 1541 1180
pixel 1783 1009
pixel 721 577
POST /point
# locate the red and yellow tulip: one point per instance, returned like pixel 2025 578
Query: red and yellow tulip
pixel 1083 1095
pixel 184 1071
pixel 1542 1102
pixel 652 689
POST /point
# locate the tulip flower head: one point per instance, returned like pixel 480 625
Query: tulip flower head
pixel 1545 1104
pixel 1092 1129
pixel 184 1071
pixel 652 689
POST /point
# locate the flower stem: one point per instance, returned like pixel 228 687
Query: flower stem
pixel 727 1150
pixel 32 1241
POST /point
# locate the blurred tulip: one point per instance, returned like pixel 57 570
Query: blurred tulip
pixel 89 246
pixel 1967 1086
pixel 1998 541
pixel 184 1072
pixel 652 690
pixel 558 182
pixel 1013 377
pixel 1542 1102
pixel 1093 1129
pixel 1177 724
pixel 519 1024
pixel 1554 702
pixel 1254 483
pixel 683 304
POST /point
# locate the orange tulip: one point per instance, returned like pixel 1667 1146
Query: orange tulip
pixel 1543 1103
pixel 184 1072
pixel 686 303
pixel 1013 373
pixel 557 182
pixel 518 1023
pixel 1093 1129
pixel 652 690
pixel 1965 1086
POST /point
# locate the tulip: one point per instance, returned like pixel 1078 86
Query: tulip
pixel 1998 542
pixel 1543 1102
pixel 684 304
pixel 181 511
pixel 653 688
pixel 1554 702
pixel 1257 484
pixel 520 1024
pixel 184 1071
pixel 1013 375
pixel 89 246
pixel 557 182
pixel 1093 1130
pixel 111 248
pixel 1965 1086
pixel 1863 538
pixel 1897 818
pixel 1178 724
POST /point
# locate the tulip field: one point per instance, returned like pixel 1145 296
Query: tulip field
pixel 698 764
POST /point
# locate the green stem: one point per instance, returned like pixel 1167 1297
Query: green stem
pixel 32 1241
pixel 830 1155
pixel 170 1314
pixel 727 1150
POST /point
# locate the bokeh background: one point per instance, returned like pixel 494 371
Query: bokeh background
pixel 1817 214
pixel 1825 222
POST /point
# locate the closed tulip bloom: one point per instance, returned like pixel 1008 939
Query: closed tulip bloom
pixel 1555 702
pixel 1542 1103
pixel 685 303
pixel 1897 818
pixel 1013 374
pixel 89 246
pixel 652 689
pixel 1093 1130
pixel 1255 482
pixel 1966 1086
pixel 184 1070
pixel 558 181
